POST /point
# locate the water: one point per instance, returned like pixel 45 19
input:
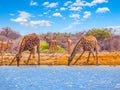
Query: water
pixel 60 78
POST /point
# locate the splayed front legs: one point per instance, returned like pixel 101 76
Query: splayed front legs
pixel 29 58
pixel 79 57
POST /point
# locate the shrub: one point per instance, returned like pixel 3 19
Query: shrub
pixel 100 34
pixel 60 49
pixel 44 48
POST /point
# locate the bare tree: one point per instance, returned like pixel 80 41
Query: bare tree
pixel 9 33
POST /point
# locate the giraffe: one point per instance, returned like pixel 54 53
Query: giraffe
pixel 5 46
pixel 69 44
pixel 88 43
pixel 52 43
pixel 28 43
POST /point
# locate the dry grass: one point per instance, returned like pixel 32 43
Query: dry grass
pixel 104 58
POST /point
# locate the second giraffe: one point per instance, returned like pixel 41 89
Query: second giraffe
pixel 87 43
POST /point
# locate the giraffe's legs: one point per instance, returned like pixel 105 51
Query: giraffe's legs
pixel 2 53
pixel 88 57
pixel 72 55
pixel 33 53
pixel 13 59
pixel 29 57
pixel 18 60
pixel 96 56
pixel 38 51
pixel 79 57
pixel 92 53
pixel 1 58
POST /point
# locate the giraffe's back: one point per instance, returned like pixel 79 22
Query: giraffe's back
pixel 29 41
pixel 88 42
pixel 90 38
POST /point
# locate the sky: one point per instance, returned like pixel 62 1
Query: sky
pixel 70 16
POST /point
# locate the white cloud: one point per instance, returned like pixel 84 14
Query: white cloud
pixel 67 3
pixel 115 29
pixel 23 17
pixel 99 1
pixel 62 9
pixel 32 3
pixel 50 5
pixel 79 3
pixel 75 8
pixel 69 27
pixel 94 2
pixel 87 14
pixel 75 16
pixel 39 23
pixel 20 20
pixel 89 4
pixel 57 15
pixel 45 3
pixel 82 3
pixel 103 10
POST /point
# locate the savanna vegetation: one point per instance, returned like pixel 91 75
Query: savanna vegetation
pixel 107 42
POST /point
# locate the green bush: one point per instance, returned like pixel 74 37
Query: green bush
pixel 44 48
pixel 60 49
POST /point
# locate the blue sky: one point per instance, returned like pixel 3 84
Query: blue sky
pixel 42 16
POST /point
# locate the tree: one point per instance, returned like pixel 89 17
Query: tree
pixel 100 34
pixel 103 36
pixel 9 33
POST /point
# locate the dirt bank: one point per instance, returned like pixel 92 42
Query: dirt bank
pixel 104 58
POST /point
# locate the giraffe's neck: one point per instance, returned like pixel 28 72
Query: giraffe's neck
pixel 75 49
